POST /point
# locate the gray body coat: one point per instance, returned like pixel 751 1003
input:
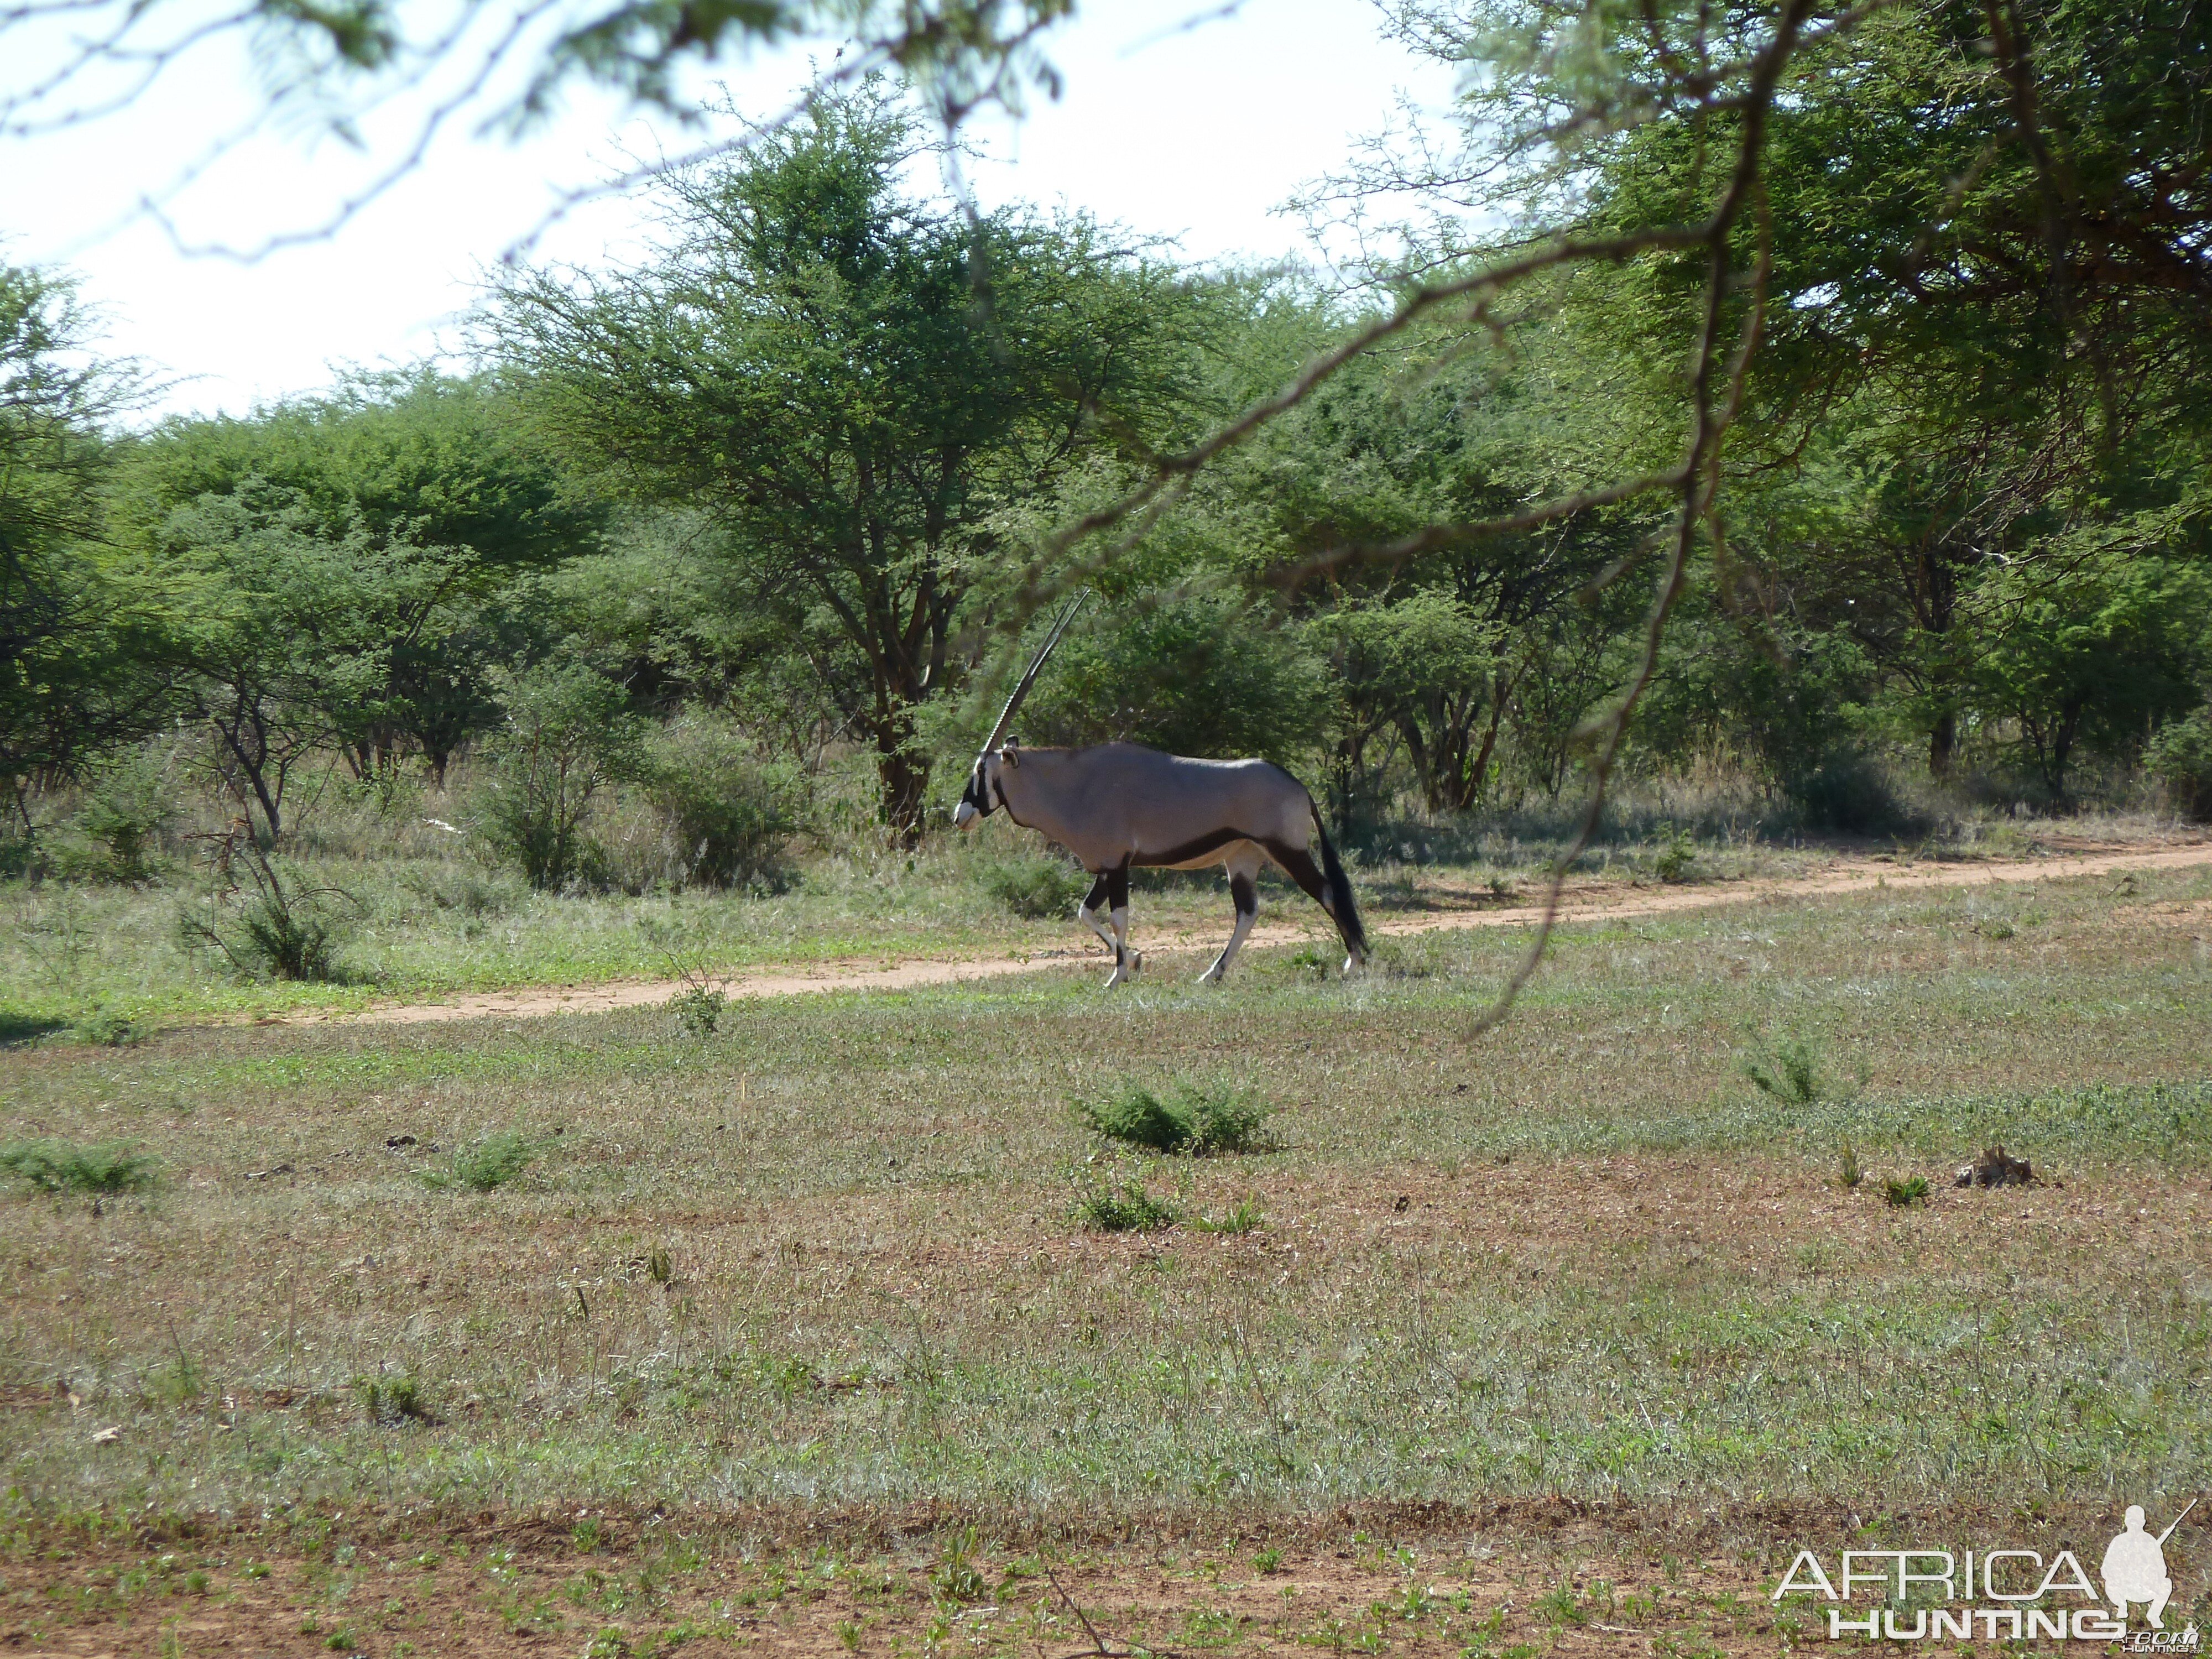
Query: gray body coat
pixel 1118 805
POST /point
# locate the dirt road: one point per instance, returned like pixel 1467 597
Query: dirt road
pixel 1585 902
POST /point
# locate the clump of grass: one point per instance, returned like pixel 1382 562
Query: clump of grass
pixel 1905 1191
pixel 1129 1209
pixel 104 1028
pixel 1035 888
pixel 390 1401
pixel 1678 853
pixel 1792 1072
pixel 1848 1170
pixel 489 1165
pixel 1244 1216
pixel 57 1166
pixel 1198 1118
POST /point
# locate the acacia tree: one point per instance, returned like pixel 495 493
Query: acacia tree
pixel 855 383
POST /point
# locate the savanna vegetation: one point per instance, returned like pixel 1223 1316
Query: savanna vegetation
pixel 1753 431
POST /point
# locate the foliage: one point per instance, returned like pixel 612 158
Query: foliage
pixel 1792 1072
pixel 1903 1192
pixel 1204 674
pixel 59 1166
pixel 1036 887
pixel 730 810
pixel 287 928
pixel 1198 1118
pixel 485 1165
pixel 698 1010
pixel 851 382
pixel 565 734
pixel 1126 1207
pixel 2180 758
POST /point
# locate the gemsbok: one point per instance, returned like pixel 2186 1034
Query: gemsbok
pixel 1118 805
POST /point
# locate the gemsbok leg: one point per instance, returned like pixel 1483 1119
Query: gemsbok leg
pixel 1126 960
pixel 1087 913
pixel 1244 892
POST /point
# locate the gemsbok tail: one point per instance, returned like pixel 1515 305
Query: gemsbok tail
pixel 1341 908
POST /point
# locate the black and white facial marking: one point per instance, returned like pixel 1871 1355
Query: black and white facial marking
pixel 975 801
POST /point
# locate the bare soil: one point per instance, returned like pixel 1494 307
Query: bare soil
pixel 1584 900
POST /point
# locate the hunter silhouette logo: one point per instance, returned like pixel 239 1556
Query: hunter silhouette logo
pixel 2134 1566
pixel 2003 1594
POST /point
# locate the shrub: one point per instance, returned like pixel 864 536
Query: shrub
pixel 1186 1117
pixel 1036 887
pixel 2180 758
pixel 1791 1073
pixel 567 734
pixel 698 1011
pixel 105 1030
pixel 1845 793
pixel 57 1166
pixel 1129 1210
pixel 489 1163
pixel 287 929
pixel 729 812
pixel 1902 1194
pixel 124 813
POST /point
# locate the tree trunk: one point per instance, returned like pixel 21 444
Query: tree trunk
pixel 905 780
pixel 1943 744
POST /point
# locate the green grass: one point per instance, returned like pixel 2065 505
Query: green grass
pixel 1201 1118
pixel 1582 1255
pixel 57 1166
pixel 418 921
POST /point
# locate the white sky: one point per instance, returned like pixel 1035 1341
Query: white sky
pixel 1198 133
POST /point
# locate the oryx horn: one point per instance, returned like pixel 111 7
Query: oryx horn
pixel 1006 715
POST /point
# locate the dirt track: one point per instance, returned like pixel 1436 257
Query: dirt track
pixel 1584 902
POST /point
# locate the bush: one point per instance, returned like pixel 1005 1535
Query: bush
pixel 123 813
pixel 2180 758
pixel 568 734
pixel 489 1165
pixel 1130 1210
pixel 1036 887
pixel 57 1166
pixel 286 930
pixel 1194 1118
pixel 729 812
pixel 1845 794
pixel 1791 1073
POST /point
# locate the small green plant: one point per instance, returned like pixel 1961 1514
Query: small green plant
pixel 1907 1191
pixel 1791 1073
pixel 1126 1209
pixel 256 1569
pixel 1245 1217
pixel 848 1636
pixel 1267 1560
pixel 660 1266
pixel 698 1011
pixel 104 1028
pixel 1035 888
pixel 1198 1118
pixel 957 1579
pixel 58 1166
pixel 1306 962
pixel 392 1401
pixel 1848 1171
pixel 1678 851
pixel 486 1165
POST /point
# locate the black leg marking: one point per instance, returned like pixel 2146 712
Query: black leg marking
pixel 1098 890
pixel 1116 881
pixel 1298 864
pixel 1245 893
